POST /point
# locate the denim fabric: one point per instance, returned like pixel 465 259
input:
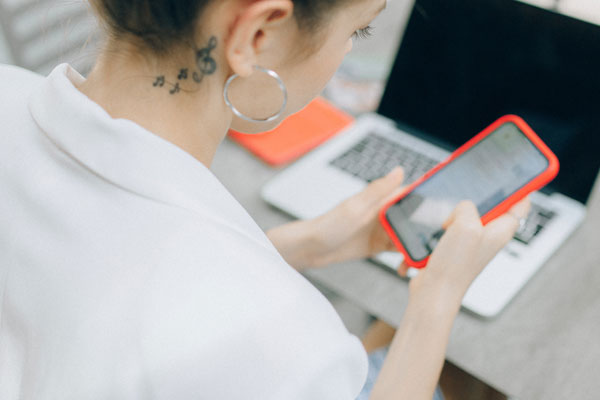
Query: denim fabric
pixel 376 360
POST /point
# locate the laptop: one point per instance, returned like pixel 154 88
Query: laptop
pixel 461 65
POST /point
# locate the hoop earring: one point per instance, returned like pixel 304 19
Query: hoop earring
pixel 238 113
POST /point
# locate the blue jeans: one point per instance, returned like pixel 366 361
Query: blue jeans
pixel 376 359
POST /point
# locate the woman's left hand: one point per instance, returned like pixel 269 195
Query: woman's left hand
pixel 350 231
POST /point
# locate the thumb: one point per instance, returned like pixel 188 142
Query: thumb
pixel 465 210
pixel 385 186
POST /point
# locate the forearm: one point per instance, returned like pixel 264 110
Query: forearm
pixel 295 241
pixel 416 355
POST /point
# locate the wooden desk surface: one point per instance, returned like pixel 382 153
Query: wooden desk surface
pixel 544 345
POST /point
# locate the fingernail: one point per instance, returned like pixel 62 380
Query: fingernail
pixel 397 170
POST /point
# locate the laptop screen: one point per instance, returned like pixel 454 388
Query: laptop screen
pixel 464 63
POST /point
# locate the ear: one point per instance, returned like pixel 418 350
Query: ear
pixel 256 25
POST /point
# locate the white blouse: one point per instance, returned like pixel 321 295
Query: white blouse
pixel 127 271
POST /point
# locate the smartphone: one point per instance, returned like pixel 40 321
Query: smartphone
pixel 495 169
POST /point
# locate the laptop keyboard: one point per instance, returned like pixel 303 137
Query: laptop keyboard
pixel 536 221
pixel 375 156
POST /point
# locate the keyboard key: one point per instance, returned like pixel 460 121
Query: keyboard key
pixel 537 220
pixel 375 156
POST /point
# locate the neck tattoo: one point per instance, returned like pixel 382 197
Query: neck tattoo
pixel 205 65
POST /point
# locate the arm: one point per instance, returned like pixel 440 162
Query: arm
pixel 349 231
pixel 297 242
pixel 352 230
pixel 416 355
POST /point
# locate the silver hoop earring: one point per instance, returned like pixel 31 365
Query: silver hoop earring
pixel 237 112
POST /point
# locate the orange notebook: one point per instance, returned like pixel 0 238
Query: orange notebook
pixel 298 134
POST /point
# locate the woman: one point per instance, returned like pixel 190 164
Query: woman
pixel 128 271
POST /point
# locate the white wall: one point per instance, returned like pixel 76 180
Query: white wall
pixel 5 57
pixel 587 10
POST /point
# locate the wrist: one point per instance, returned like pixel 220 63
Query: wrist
pixel 296 242
pixel 435 297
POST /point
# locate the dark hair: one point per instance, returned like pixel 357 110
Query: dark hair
pixel 160 24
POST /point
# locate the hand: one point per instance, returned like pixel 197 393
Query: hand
pixel 349 231
pixel 465 249
pixel 352 229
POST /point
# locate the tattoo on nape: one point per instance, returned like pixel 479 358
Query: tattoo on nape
pixel 197 78
pixel 176 89
pixel 183 74
pixel 160 81
pixel 205 65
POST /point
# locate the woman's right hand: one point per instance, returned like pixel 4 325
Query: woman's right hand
pixel 416 355
pixel 464 250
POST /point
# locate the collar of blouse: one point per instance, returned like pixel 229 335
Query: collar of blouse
pixel 124 154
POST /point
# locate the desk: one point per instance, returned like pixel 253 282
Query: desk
pixel 544 345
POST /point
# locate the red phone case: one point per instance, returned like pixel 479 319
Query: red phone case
pixel 535 184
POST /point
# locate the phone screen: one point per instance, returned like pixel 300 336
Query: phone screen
pixel 487 174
